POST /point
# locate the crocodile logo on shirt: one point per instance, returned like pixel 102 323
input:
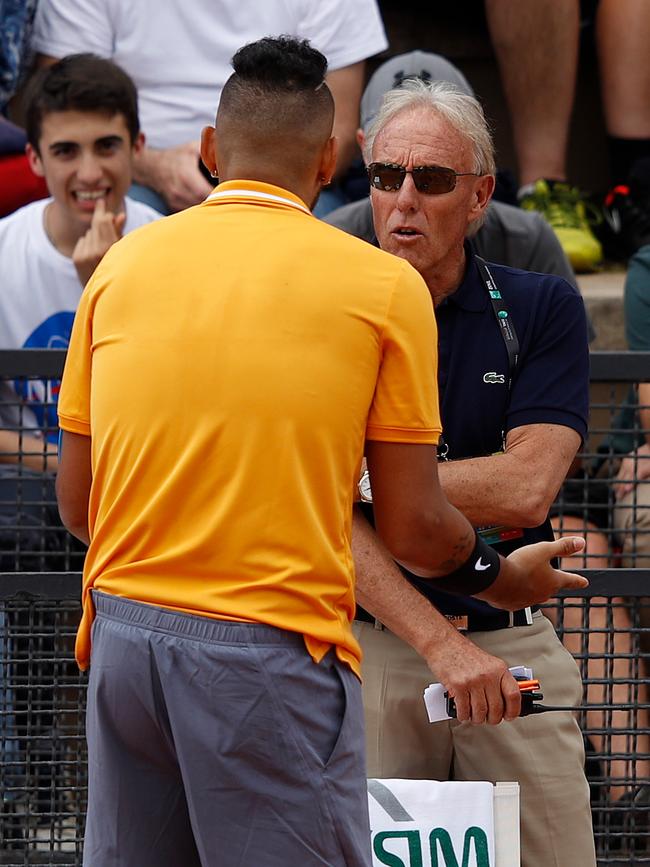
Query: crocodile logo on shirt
pixel 494 377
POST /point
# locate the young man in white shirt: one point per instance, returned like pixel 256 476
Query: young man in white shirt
pixel 179 58
pixel 84 134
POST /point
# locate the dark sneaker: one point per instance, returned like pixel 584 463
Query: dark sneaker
pixel 628 218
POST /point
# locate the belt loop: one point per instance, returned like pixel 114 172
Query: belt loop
pixel 529 616
pixel 511 618
pixel 379 625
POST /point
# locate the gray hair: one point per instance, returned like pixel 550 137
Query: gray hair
pixel 461 111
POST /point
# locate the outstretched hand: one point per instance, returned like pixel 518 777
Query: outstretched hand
pixel 527 577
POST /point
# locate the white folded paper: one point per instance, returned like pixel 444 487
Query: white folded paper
pixel 418 822
pixel 434 695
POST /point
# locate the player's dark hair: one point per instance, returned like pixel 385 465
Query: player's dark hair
pixel 80 82
pixel 281 63
pixel 277 94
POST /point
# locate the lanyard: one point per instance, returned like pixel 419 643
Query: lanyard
pixel 507 331
pixel 506 325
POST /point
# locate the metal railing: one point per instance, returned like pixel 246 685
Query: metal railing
pixel 607 495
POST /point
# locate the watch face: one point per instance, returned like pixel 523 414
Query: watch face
pixel 365 491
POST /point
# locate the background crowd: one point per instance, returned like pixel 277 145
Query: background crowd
pixel 102 104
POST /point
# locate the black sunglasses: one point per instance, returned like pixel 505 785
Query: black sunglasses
pixel 432 180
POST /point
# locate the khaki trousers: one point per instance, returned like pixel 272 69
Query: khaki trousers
pixel 544 753
pixel 632 524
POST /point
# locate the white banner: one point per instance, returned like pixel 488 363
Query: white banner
pixel 423 823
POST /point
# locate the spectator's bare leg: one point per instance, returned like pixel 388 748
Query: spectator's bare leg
pixel 536 44
pixel 606 640
pixel 623 37
pixel 632 524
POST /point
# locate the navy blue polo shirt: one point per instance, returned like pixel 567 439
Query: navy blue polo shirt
pixel 550 384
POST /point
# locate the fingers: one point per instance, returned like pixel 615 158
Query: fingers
pixel 118 221
pixel 511 697
pixel 479 707
pixel 485 700
pixel 105 229
pixel 631 472
pixel 567 546
pixel 570 581
pixel 622 490
pixel 199 187
pixel 494 700
pixel 501 700
pixel 99 213
pixel 463 707
pixel 181 181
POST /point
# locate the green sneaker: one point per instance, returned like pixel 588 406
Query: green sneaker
pixel 564 209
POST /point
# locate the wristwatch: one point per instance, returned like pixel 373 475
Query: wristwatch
pixel 365 492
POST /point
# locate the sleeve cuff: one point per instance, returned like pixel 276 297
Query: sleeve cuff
pixel 74 425
pixel 403 435
pixel 548 416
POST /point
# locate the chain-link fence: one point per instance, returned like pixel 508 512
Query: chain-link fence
pixel 603 628
pixel 32 537
pixel 607 494
pixel 42 707
pixel 42 703
pixel 42 694
pixel 606 497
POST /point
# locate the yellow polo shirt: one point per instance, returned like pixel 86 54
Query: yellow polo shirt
pixel 228 363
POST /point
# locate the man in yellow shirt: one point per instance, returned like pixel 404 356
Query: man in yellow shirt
pixel 226 367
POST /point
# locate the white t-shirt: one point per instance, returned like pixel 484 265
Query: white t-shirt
pixel 39 294
pixel 178 54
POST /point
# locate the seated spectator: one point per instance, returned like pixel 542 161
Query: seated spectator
pixel 541 94
pixel 632 488
pixel 179 58
pixel 83 132
pixel 18 184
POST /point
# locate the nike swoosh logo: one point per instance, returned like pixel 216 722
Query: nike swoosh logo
pixel 480 567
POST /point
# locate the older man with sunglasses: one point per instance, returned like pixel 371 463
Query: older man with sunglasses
pixel 513 380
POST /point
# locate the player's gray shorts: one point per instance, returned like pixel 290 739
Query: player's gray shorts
pixel 219 744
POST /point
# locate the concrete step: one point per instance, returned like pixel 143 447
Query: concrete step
pixel 603 295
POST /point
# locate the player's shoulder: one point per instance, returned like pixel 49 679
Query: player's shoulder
pixel 355 218
pixel 358 247
pixel 374 268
